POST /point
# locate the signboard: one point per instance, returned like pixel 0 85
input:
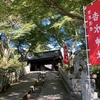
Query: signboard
pixel 92 20
pixel 65 59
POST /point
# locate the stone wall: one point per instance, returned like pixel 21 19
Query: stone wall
pixel 65 77
pixel 72 85
pixel 79 86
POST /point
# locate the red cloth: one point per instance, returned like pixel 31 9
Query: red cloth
pixel 65 59
pixel 92 17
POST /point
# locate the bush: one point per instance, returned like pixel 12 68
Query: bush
pixel 2 70
pixel 96 70
pixel 12 65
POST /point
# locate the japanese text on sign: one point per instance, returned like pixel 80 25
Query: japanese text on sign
pixel 93 31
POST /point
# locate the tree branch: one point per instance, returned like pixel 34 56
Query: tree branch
pixel 76 36
pixel 54 4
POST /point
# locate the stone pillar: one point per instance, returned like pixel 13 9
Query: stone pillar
pixel 85 86
pixel 88 92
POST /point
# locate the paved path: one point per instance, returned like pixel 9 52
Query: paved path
pixel 54 88
pixel 17 91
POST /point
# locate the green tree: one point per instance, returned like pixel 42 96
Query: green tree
pixel 22 22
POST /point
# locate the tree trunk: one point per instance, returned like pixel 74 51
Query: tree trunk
pixel 1 49
pixel 8 44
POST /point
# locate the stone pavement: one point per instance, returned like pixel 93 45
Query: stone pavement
pixel 53 88
pixel 17 91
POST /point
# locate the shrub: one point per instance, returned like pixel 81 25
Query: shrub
pixel 96 70
pixel 11 64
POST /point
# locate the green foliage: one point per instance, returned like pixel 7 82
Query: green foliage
pixel 3 62
pixel 22 21
pixel 15 63
pixel 12 65
pixel 96 70
pixel 2 70
pixel 25 11
pixel 65 66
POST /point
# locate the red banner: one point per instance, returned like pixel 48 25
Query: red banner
pixel 66 61
pixel 93 31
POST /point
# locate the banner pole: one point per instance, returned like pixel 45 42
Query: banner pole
pixel 88 65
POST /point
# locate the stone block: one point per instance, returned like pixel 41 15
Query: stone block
pixel 77 95
pixel 93 76
pixel 76 84
pixel 94 95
